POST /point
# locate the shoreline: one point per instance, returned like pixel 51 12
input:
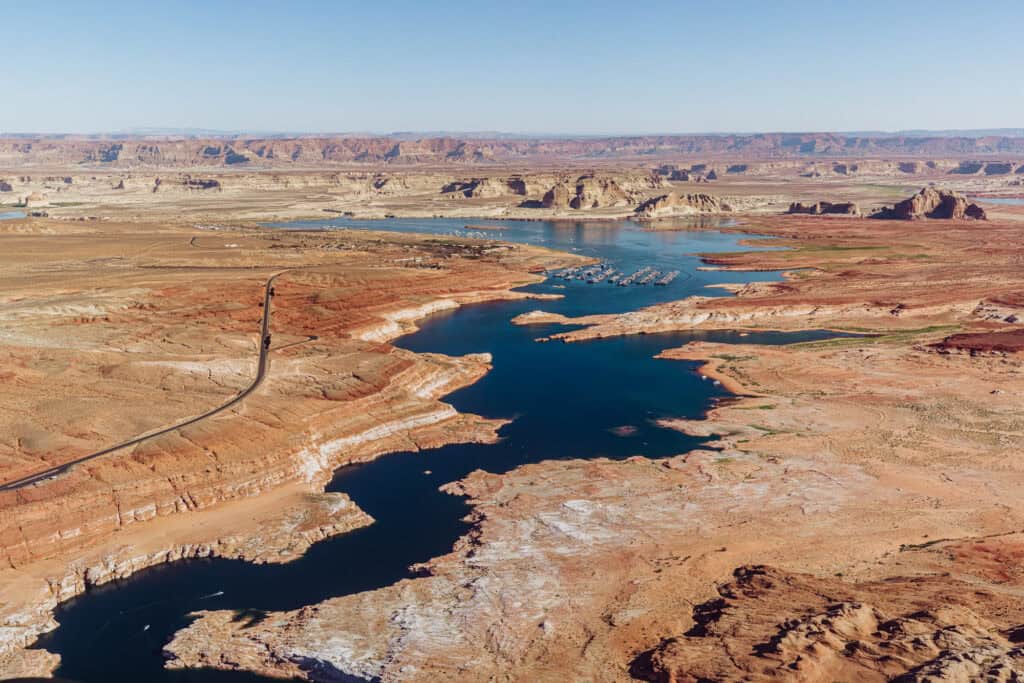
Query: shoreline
pixel 393 324
pixel 40 587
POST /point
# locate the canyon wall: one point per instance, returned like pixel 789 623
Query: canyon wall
pixel 241 152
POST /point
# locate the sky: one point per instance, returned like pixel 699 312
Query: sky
pixel 522 66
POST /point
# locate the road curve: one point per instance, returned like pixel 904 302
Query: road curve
pixel 261 372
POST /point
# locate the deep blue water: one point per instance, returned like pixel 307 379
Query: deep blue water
pixel 565 401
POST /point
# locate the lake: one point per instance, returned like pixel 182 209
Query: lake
pixel 565 400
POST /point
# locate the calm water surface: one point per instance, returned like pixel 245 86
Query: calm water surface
pixel 566 401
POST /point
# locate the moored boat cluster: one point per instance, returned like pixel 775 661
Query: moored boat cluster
pixel 603 271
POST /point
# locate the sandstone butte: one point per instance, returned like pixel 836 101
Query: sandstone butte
pixel 860 520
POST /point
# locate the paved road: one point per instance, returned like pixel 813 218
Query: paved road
pixel 261 372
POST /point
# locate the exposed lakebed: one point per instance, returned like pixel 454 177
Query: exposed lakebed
pixel 583 400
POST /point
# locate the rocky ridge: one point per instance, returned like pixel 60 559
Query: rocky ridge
pixel 931 202
pixel 675 204
pixel 820 208
pixel 238 152
pixel 905 629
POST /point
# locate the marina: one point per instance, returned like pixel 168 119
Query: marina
pixel 636 277
pixel 603 271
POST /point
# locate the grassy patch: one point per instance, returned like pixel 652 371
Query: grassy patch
pixel 880 337
pixel 823 251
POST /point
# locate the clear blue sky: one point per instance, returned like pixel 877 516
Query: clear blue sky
pixel 520 65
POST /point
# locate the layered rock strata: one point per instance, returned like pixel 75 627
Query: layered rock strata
pixel 169 330
pixel 933 203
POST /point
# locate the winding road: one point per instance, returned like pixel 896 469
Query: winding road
pixel 261 372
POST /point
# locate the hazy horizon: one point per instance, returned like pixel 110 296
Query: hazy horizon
pixel 533 68
pixel 199 132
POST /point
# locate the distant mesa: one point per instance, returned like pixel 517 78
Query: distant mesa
pixel 987 168
pixel 933 203
pixel 695 173
pixel 982 343
pixel 176 152
pixel 487 187
pixel 674 204
pixel 593 191
pixel 930 202
pixel 822 208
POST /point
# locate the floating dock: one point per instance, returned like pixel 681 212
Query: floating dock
pixel 649 277
pixel 668 277
pixel 630 279
pixel 604 272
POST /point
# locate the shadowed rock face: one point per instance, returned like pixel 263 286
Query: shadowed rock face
pixel 678 204
pixel 818 208
pixel 595 191
pixel 933 203
pixel 486 187
pixel 768 624
pixel 556 198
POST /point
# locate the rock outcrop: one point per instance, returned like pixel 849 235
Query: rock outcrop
pixel 488 187
pixel 557 197
pixel 592 192
pixel 821 208
pixel 783 626
pixel 568 556
pixel 933 203
pixel 674 204
pixel 697 173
